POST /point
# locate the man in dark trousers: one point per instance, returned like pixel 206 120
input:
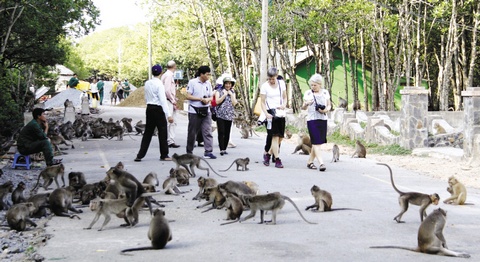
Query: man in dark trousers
pixel 33 138
pixel 157 113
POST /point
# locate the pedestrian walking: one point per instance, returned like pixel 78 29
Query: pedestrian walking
pixel 168 81
pixel 226 100
pixel 156 116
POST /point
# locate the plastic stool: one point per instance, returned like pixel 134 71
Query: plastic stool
pixel 15 163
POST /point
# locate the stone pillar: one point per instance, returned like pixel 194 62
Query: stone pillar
pixel 85 106
pixel 471 123
pixel 413 120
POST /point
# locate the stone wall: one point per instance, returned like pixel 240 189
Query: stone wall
pixel 471 105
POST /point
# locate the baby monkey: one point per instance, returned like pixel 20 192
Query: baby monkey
pixel 457 190
pixel 323 201
pixel 336 153
pixel 414 198
pixel 241 162
pixel 430 237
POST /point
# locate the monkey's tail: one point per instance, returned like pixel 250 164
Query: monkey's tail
pixel 230 222
pixel 293 203
pixel 337 209
pixel 391 178
pixel 211 167
pixel 134 249
pixel 228 167
pixel 397 247
pixel 38 181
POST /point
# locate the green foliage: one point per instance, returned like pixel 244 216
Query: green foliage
pixel 261 128
pixel 340 139
pixel 372 148
pixel 394 150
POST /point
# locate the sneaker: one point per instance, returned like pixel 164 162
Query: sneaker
pixel 266 159
pixel 209 156
pixel 278 163
pixel 137 159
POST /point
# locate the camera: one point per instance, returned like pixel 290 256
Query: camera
pixel 319 107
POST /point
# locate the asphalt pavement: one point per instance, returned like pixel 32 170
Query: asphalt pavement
pixel 338 236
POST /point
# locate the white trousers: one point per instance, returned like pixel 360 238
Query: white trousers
pixel 171 126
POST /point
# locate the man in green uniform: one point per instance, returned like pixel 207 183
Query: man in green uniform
pixel 73 82
pixel 100 86
pixel 126 89
pixel 33 138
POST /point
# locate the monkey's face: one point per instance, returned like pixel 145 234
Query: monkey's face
pixel 201 182
pixel 435 198
pixel 314 189
pixel 22 186
pixel 452 181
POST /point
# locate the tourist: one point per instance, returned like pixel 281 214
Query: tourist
pixel 33 138
pixel 199 94
pixel 94 92
pixel 273 100
pixel 156 116
pixel 317 103
pixel 168 81
pixel 100 86
pixel 126 89
pixel 226 100
pixel 119 91
pixel 113 93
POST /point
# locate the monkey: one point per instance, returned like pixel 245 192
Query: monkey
pixel 439 129
pixel 192 160
pixel 356 106
pixel 414 198
pixel 40 201
pixel 170 186
pixel 182 175
pixel 159 232
pixel 139 127
pixel 106 207
pixel 17 194
pixel 288 134
pixel 323 201
pixel 234 208
pixel 76 180
pixel 457 190
pixel 151 179
pixel 49 174
pixel 149 189
pixel 336 153
pixel 237 188
pixel 120 165
pixel 116 130
pixel 5 188
pixel 243 162
pixel 86 132
pixel 19 215
pixel 131 186
pixel 127 124
pixel 57 139
pixel 360 150
pixel 87 193
pixel 342 103
pixel 204 183
pixel 304 143
pixel 430 237
pixel 60 201
pixel 214 197
pixel 253 186
pixel 272 201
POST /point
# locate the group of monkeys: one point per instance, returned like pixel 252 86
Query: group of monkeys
pixel 123 195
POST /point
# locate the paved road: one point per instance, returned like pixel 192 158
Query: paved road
pixel 339 235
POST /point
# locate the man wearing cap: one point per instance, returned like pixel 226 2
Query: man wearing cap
pixel 33 138
pixel 170 92
pixel 156 116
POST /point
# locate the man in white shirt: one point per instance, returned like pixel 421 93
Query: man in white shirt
pixel 170 92
pixel 156 116
pixel 200 93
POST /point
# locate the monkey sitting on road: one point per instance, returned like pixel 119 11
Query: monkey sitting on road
pixel 19 215
pixel 182 175
pixel 336 153
pixel 237 188
pixel 151 179
pixel 457 190
pixel 204 183
pixel 41 203
pixel 234 208
pixel 241 162
pixel 5 188
pixel 214 197
pixel 49 174
pixel 360 150
pixel 17 194
pixel 139 128
pixel 414 198
pixel 192 160
pixel 430 237
pixel 272 201
pixel 61 201
pixel 170 186
pixel 304 144
pixel 159 232
pixel 76 180
pixel 323 201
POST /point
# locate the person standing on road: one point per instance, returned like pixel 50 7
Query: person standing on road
pixel 317 102
pixel 273 99
pixel 171 93
pixel 199 93
pixel 120 91
pixel 100 86
pixel 126 88
pixel 156 116
pixel 94 91
pixel 113 93
pixel 226 101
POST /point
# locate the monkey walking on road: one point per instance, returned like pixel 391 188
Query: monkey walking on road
pixel 430 237
pixel 414 198
pixel 241 162
pixel 49 174
pixel 336 153
pixel 193 161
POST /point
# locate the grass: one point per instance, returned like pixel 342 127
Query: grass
pixel 394 150
pixel 290 128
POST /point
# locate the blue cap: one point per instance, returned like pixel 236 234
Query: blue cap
pixel 156 70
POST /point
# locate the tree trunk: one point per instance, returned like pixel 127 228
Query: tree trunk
pixel 474 48
pixel 364 78
pixel 203 29
pixel 345 73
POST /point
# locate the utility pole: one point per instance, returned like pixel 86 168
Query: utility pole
pixel 149 50
pixel 264 43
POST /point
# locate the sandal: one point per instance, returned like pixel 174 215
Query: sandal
pixel 322 167
pixel 311 166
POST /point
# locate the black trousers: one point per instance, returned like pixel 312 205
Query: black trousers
pixel 224 127
pixel 155 118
